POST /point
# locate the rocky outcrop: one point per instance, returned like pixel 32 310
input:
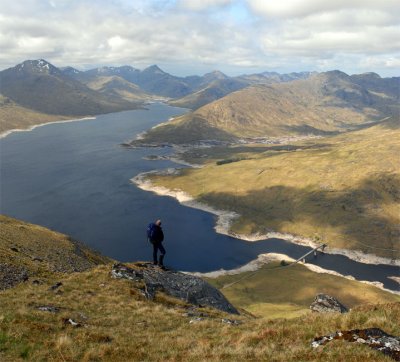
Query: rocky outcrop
pixel 373 337
pixel 324 303
pixel 189 288
pixel 11 275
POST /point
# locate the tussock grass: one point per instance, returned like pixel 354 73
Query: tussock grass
pixel 119 326
pixel 342 189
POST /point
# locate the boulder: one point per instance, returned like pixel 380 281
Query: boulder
pixel 324 303
pixel 189 288
pixel 11 275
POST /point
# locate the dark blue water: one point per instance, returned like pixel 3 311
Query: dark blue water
pixel 74 178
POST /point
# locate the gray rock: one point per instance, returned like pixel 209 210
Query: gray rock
pixel 56 286
pixel 324 303
pixel 121 271
pixel 48 308
pixel 189 288
pixel 233 322
pixel 11 275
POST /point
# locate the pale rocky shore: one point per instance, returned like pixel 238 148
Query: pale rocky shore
pixel 225 218
pixel 31 128
pixel 264 259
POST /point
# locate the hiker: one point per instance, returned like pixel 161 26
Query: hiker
pixel 155 236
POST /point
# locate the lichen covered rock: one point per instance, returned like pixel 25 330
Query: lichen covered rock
pixel 324 303
pixel 373 337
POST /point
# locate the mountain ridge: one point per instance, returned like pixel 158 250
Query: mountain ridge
pixel 323 103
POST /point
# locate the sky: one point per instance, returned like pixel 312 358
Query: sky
pixel 197 36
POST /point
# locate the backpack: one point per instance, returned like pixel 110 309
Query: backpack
pixel 151 230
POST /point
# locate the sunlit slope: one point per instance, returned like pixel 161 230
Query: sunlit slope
pixel 342 189
pixel 40 251
pixel 324 103
pixel 287 292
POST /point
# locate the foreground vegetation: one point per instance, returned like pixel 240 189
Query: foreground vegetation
pixel 342 189
pixel 120 325
pixel 117 323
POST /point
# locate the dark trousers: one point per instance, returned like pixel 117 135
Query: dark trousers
pixel 158 246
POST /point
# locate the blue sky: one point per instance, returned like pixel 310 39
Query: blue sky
pixel 197 36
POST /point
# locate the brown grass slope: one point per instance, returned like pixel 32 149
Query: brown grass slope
pixel 323 103
pixel 41 251
pixel 13 116
pixel 342 189
pixel 118 324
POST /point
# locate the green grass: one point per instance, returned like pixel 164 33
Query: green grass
pixel 342 189
pixel 288 292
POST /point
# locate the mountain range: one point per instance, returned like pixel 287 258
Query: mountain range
pixel 224 108
pixel 321 104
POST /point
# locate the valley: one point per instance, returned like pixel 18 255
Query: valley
pixel 341 190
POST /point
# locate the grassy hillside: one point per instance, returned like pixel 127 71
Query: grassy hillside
pixel 14 116
pixel 275 292
pixel 325 103
pixel 117 323
pixel 342 189
pixel 40 251
pixel 120 325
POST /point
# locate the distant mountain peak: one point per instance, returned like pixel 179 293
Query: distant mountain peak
pixel 370 75
pixel 37 66
pixel 215 74
pixel 70 70
pixel 336 73
pixel 154 69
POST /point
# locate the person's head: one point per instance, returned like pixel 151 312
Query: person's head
pixel 158 222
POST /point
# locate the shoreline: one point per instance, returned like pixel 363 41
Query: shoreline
pixel 266 258
pixel 32 127
pixel 225 218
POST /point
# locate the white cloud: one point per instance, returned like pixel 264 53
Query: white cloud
pixel 301 8
pixel 199 5
pixel 286 35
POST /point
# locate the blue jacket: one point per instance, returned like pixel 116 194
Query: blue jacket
pixel 157 235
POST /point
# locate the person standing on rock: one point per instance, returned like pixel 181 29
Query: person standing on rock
pixel 155 235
